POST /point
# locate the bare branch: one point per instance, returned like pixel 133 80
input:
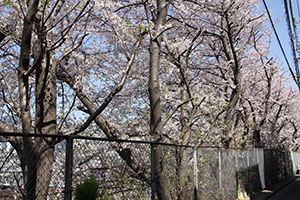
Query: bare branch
pixel 58 21
pixel 56 11
pixel 71 50
pixel 109 98
pixel 14 106
pixel 69 111
pixel 173 112
pixel 7 157
pixel 4 32
pixel 58 42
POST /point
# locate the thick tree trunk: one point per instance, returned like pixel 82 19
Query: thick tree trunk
pixel 37 156
pixel 28 158
pixel 231 54
pixel 183 153
pixel 44 173
pixel 45 120
pixel 29 169
pixel 230 117
pixel 162 183
pixel 183 189
pixel 161 176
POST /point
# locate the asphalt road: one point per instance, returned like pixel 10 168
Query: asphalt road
pixel 289 192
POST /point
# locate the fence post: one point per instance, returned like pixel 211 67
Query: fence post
pixel 68 169
pixel 195 174
pixel 237 172
pixel 153 171
pixel 248 159
pixel 220 172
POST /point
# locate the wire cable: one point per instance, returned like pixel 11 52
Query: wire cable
pixel 280 45
pixel 292 33
pixel 295 41
pixel 298 9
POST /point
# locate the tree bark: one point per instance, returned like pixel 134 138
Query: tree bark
pixel 2 34
pixel 183 153
pixel 231 54
pixel 28 157
pixel 45 111
pixel 45 120
pixel 162 183
pixel 36 153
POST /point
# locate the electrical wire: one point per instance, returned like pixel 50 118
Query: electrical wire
pixel 280 45
pixel 298 9
pixel 292 29
pixel 295 41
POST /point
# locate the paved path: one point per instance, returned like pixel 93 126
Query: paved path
pixel 289 192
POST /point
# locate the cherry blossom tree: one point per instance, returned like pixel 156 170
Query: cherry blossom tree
pixel 39 31
pixel 182 72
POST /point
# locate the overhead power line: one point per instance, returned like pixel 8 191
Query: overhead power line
pixel 292 29
pixel 298 9
pixel 280 44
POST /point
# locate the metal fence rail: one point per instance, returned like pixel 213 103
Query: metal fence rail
pixel 214 173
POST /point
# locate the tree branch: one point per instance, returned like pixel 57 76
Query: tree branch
pixel 173 112
pixel 109 98
pixel 69 111
pixel 64 32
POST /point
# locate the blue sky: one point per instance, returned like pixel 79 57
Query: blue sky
pixel 276 8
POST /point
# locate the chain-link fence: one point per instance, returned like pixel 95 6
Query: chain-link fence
pixel 52 167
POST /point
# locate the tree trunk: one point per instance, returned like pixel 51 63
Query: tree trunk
pixel 28 158
pixel 45 120
pixel 44 173
pixel 231 54
pixel 183 153
pixel 183 190
pixel 37 156
pixel 162 183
